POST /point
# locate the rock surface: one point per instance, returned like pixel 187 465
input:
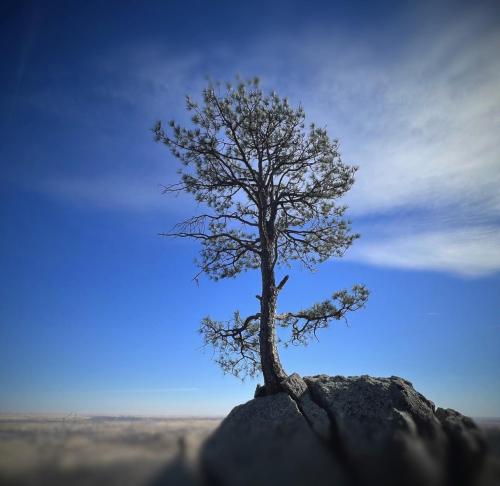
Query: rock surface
pixel 315 416
pixel 391 434
pixel 344 431
pixel 267 441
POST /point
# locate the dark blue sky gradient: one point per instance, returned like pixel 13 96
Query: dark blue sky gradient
pixel 99 314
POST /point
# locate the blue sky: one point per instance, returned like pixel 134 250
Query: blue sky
pixel 98 314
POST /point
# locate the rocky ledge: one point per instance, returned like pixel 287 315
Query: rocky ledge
pixel 345 431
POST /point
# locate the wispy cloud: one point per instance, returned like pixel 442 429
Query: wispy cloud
pixel 470 252
pixel 424 130
pixel 116 192
pixel 422 125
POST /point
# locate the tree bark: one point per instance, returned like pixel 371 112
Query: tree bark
pixel 271 367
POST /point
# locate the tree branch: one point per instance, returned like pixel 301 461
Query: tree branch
pixel 284 280
pixel 235 342
pixel 305 323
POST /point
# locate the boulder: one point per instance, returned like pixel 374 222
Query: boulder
pixel 315 416
pixel 267 441
pixel 390 434
pixel 343 431
pixel 467 447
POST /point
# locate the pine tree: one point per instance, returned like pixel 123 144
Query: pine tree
pixel 271 189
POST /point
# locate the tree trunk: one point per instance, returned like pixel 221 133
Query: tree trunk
pixel 269 358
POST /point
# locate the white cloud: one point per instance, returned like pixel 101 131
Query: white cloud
pixel 471 252
pixel 422 124
pixel 423 128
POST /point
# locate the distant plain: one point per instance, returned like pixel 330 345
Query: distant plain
pixel 93 450
pixel 78 450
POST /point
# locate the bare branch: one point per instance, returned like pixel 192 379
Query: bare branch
pixel 282 283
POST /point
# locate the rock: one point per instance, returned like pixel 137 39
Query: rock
pixel 390 434
pixel 345 431
pixel 317 418
pixel 267 441
pixel 467 446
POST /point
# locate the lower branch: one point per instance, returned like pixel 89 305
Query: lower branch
pixel 305 323
pixel 235 343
